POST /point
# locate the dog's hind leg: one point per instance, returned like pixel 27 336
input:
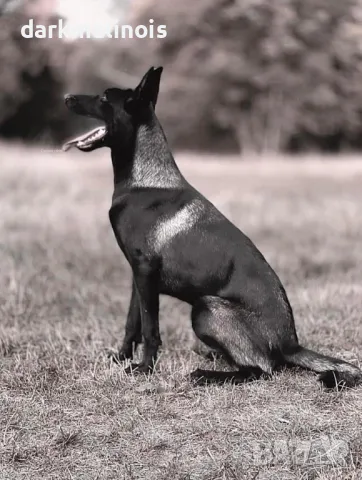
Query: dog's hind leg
pixel 227 327
pixel 204 351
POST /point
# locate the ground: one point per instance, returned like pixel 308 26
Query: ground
pixel 67 412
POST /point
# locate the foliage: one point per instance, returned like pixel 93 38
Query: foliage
pixel 260 75
pixel 31 83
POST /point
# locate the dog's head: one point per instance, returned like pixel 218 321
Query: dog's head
pixel 120 110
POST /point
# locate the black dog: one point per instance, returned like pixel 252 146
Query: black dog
pixel 179 244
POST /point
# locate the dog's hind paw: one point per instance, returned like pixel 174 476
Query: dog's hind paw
pixel 199 376
pixel 243 375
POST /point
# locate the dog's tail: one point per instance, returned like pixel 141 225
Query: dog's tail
pixel 333 372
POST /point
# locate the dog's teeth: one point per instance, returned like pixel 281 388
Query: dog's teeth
pixel 87 141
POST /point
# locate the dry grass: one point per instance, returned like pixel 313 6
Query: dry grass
pixel 67 413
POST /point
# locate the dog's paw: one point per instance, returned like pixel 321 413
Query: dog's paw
pixel 118 357
pixel 199 376
pixel 138 368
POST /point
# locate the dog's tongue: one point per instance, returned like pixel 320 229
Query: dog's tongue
pixel 81 138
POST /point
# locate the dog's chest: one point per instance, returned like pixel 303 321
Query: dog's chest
pixel 128 224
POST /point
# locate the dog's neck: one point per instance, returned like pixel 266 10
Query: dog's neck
pixel 150 163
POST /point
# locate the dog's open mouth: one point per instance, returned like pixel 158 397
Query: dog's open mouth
pixel 88 140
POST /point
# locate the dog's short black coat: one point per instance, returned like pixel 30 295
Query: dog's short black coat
pixel 177 243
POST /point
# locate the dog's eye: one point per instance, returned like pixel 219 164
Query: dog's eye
pixel 130 105
pixel 103 99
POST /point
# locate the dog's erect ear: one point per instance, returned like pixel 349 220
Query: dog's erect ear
pixel 147 90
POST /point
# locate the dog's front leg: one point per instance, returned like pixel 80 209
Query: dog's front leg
pixel 146 283
pixel 133 331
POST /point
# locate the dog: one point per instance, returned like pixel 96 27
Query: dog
pixel 178 244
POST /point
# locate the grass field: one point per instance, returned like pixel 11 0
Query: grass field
pixel 66 412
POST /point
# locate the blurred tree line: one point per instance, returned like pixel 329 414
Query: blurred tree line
pixel 31 83
pixel 249 75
